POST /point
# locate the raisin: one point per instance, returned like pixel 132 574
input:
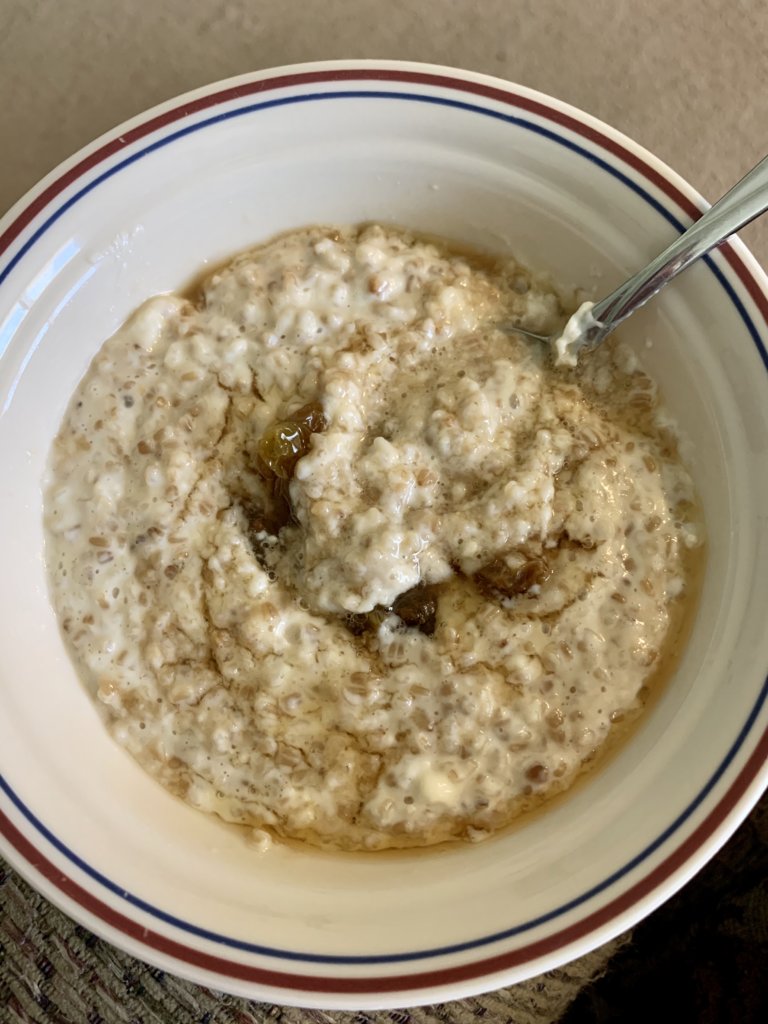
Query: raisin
pixel 283 443
pixel 310 417
pixel 418 608
pixel 279 449
pixel 500 578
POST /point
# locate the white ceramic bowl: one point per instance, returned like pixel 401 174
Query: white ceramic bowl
pixel 485 162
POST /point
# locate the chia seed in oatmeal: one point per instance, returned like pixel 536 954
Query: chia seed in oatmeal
pixel 343 561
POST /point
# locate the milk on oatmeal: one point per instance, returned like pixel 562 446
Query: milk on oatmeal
pixel 342 560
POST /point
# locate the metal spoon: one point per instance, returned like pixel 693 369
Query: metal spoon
pixel 593 322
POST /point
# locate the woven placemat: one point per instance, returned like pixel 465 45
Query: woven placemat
pixel 706 949
pixel 53 971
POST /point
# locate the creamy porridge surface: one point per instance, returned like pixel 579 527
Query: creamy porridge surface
pixel 344 561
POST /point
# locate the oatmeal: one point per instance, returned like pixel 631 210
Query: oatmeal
pixel 343 561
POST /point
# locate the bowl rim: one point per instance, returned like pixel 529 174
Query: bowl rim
pixel 629 905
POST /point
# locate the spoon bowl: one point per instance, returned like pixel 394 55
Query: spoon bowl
pixel 593 322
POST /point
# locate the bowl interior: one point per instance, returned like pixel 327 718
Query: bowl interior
pixel 151 225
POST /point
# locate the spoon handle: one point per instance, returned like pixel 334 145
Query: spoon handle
pixel 745 201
